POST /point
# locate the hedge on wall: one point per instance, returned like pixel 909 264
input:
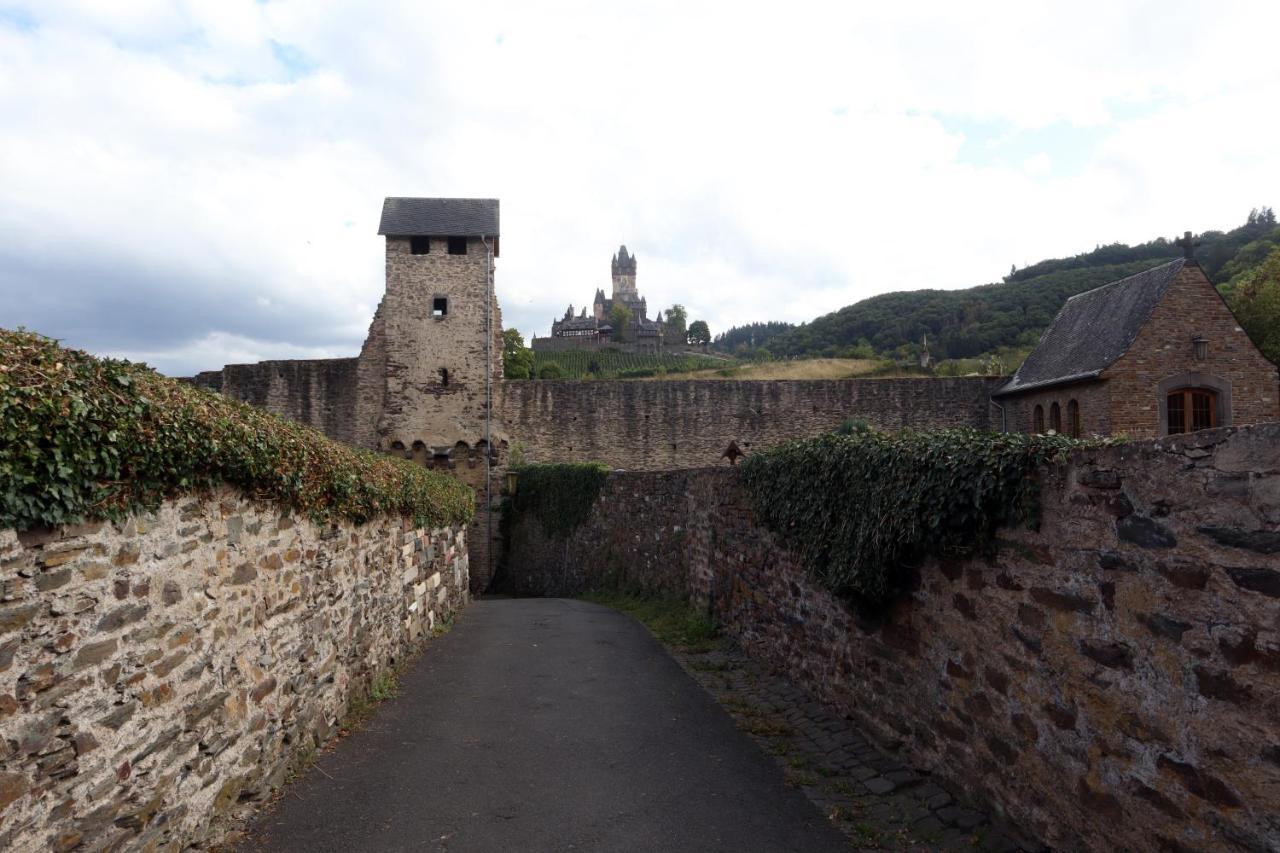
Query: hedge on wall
pixel 559 495
pixel 862 508
pixel 88 438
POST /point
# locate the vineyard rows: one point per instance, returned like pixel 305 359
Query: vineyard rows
pixel 614 364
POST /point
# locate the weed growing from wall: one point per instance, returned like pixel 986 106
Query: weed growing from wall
pixel 861 508
pixel 559 495
pixel 88 438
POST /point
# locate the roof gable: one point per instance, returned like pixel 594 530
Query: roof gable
pixel 439 217
pixel 1093 329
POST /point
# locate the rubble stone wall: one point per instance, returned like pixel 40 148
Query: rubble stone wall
pixel 157 674
pixel 1111 681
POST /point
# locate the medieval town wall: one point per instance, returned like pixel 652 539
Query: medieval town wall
pixel 675 424
pixel 320 393
pixel 1119 668
pixel 159 674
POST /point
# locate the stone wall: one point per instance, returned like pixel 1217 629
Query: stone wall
pixel 320 393
pixel 1111 681
pixel 670 424
pixel 157 674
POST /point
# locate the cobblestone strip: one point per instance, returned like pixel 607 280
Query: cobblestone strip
pixel 872 797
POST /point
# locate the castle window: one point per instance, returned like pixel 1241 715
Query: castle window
pixel 457 245
pixel 440 306
pixel 444 376
pixel 1055 417
pixel 1037 420
pixel 1191 409
pixel 1073 419
pixel 419 245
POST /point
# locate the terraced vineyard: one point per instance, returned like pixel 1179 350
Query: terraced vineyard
pixel 614 364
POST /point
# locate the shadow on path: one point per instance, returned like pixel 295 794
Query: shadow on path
pixel 541 725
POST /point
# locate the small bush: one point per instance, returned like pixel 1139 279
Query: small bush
pixel 83 437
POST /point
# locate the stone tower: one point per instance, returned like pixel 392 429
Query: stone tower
pixel 624 276
pixel 430 368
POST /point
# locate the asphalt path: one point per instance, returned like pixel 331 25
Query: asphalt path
pixel 545 725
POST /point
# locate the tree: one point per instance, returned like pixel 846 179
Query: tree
pixel 676 318
pixel 551 370
pixel 620 319
pixel 1254 297
pixel 699 333
pixel 517 360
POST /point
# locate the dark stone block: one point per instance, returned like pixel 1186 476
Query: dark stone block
pixel 1030 616
pixel 1031 643
pixel 1063 717
pixel 1114 562
pixel 1272 754
pixel 1142 531
pixel 1164 626
pixel 1004 581
pixel 965 606
pixel 1261 541
pixel 1184 576
pixel 1265 581
pixel 1109 654
pixel 1243 651
pixel 1220 685
pixel 1199 784
pixel 122 616
pixel 1102 805
pixel 1003 752
pixel 1157 799
pixel 244 573
pixel 119 716
pixel 996 679
pixel 1061 601
pixel 1100 478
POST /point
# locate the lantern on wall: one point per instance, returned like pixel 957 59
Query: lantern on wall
pixel 1201 345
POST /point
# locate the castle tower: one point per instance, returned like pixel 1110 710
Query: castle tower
pixel 624 276
pixel 431 366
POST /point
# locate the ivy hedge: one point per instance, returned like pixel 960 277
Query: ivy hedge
pixel 89 438
pixel 559 495
pixel 863 507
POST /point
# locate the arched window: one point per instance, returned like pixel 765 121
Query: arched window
pixel 1073 419
pixel 1037 420
pixel 1055 417
pixel 1191 409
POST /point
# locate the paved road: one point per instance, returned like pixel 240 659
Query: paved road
pixel 546 725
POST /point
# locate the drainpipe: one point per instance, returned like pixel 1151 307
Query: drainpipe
pixel 488 407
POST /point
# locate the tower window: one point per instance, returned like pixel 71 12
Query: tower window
pixel 444 376
pixel 457 245
pixel 1055 417
pixel 440 306
pixel 419 245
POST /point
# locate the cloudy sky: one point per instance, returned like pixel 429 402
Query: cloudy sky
pixel 199 181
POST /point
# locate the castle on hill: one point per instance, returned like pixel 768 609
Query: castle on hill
pixel 601 328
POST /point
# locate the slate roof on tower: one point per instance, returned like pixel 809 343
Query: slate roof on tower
pixel 1092 330
pixel 439 217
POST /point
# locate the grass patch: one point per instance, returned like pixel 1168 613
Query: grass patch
pixel 671 620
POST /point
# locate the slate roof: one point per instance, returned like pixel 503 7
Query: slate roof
pixel 439 217
pixel 1092 330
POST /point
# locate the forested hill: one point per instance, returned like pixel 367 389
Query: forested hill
pixel 965 323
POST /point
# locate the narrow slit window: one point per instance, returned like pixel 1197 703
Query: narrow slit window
pixel 457 245
pixel 440 306
pixel 444 376
pixel 1055 417
pixel 419 245
pixel 1037 420
pixel 1073 418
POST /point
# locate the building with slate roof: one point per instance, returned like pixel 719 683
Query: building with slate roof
pixel 1154 354
pixel 596 330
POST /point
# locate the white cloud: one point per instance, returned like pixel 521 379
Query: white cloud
pixel 200 182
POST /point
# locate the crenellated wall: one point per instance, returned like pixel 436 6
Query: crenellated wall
pixel 1111 681
pixel 159 674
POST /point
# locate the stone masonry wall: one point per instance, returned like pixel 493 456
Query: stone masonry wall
pixel 662 425
pixel 320 393
pixel 1111 681
pixel 157 674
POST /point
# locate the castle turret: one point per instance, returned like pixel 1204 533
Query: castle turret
pixel 624 275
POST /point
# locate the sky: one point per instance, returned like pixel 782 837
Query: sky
pixel 198 182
